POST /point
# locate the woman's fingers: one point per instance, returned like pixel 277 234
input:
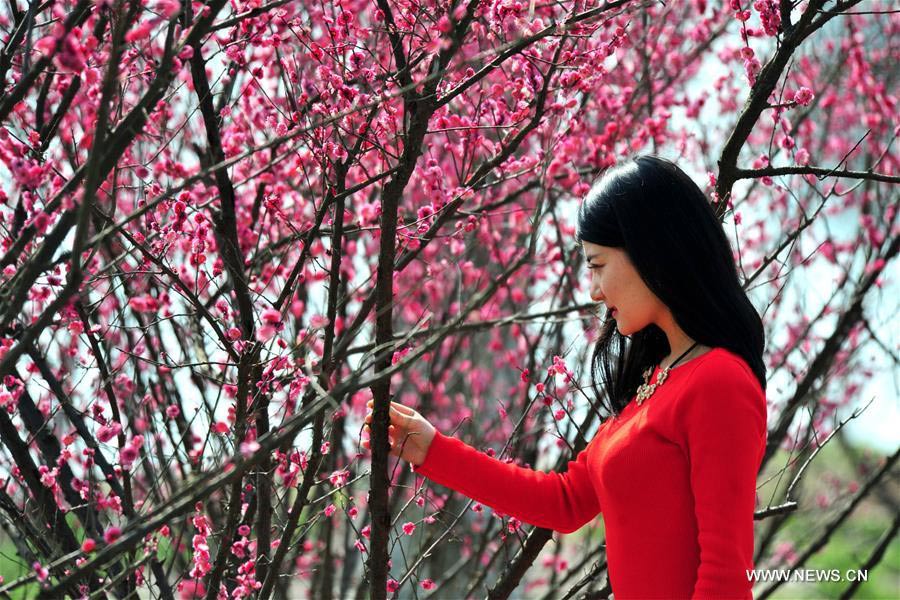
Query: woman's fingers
pixel 391 431
pixel 401 408
pixel 396 416
pixel 401 418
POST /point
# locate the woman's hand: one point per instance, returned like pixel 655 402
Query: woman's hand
pixel 410 433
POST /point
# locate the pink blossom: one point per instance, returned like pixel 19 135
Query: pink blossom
pixel 112 534
pixel 399 354
pixel 427 584
pixel 108 432
pixel 266 332
pixel 392 585
pixel 142 31
pixel 249 448
pixel 239 548
pixel 271 325
pixel 88 545
pixel 329 510
pixel 48 476
pixel 168 8
pixel 70 55
pixel 271 316
pixel 409 527
pixel 803 96
pixel 339 478
pixel 172 411
pixel 143 304
pixel 127 455
pixel 202 564
pixel 769 14
pixel 190 589
pixel 318 321
pixel 784 553
pixel 46 45
pixel 752 67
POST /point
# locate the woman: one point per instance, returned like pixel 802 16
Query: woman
pixel 673 472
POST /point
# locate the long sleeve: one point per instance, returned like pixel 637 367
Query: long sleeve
pixel 559 501
pixel 724 428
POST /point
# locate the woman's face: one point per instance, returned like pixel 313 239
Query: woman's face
pixel 616 283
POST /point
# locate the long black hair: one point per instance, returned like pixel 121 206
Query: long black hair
pixel 658 215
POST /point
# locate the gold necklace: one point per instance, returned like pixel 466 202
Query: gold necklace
pixel 646 389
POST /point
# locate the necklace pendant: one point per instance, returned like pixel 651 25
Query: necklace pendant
pixel 646 389
pixel 662 377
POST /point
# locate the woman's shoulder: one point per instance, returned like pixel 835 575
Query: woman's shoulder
pixel 719 359
pixel 721 392
pixel 721 370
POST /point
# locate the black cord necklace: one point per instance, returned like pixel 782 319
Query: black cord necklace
pixel 646 389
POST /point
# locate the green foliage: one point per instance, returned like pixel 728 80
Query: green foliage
pixel 830 478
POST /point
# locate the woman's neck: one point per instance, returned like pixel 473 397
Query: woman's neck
pixel 698 351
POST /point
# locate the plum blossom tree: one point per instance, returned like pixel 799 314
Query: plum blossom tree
pixel 225 226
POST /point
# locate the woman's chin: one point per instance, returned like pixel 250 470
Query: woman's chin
pixel 623 328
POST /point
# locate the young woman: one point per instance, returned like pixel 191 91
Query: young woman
pixel 673 471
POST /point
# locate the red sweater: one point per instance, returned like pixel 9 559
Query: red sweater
pixel 674 478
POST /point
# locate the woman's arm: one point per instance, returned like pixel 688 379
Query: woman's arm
pixel 559 501
pixel 724 424
pixel 563 502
